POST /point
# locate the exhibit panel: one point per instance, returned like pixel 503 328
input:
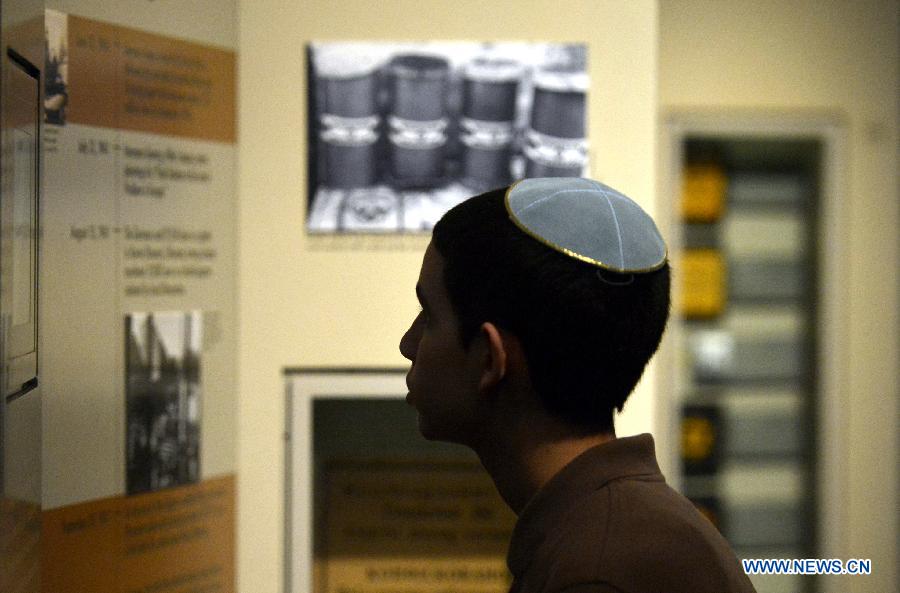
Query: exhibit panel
pixel 137 303
pixel 754 197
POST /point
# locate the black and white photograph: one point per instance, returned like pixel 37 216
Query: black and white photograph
pixel 56 68
pixel 399 133
pixel 163 399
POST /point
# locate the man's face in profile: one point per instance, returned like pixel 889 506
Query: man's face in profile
pixel 442 380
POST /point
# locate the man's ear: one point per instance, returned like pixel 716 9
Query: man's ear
pixel 494 363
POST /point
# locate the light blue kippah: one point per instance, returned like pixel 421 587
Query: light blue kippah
pixel 589 221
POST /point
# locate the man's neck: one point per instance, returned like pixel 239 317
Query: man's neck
pixel 521 464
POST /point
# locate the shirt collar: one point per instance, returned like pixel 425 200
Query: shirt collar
pixel 593 469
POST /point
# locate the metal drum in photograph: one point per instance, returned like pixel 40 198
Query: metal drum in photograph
pixel 555 143
pixel 418 120
pixel 347 113
pixel 490 91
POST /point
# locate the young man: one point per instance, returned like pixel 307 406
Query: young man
pixel 541 305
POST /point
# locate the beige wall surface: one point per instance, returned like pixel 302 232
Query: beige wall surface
pixel 839 59
pixel 344 302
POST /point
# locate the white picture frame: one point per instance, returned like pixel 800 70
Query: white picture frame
pixel 302 387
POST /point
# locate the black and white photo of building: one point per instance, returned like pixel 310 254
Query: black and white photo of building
pixel 163 400
pixel 401 132
pixel 56 68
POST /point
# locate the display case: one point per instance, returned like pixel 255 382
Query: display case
pixel 372 505
pixel 752 199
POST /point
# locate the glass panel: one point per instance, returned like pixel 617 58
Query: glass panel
pixel 23 225
pixel 18 214
pixel 394 512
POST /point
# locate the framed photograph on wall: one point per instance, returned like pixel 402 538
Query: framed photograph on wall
pixel 401 132
pixel 372 505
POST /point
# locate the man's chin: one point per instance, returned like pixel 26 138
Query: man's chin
pixel 426 430
pixel 433 433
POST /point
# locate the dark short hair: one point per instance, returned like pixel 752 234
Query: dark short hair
pixel 586 333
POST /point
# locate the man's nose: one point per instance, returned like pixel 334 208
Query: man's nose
pixel 409 343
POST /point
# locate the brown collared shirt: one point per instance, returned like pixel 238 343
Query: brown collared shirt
pixel 609 523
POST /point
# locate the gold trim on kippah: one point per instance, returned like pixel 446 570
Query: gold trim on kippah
pixel 571 253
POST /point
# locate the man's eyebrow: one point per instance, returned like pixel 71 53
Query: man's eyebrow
pixel 420 294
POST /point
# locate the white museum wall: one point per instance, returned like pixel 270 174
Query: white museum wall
pixel 837 60
pixel 345 302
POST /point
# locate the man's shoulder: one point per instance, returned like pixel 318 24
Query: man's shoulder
pixel 638 534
